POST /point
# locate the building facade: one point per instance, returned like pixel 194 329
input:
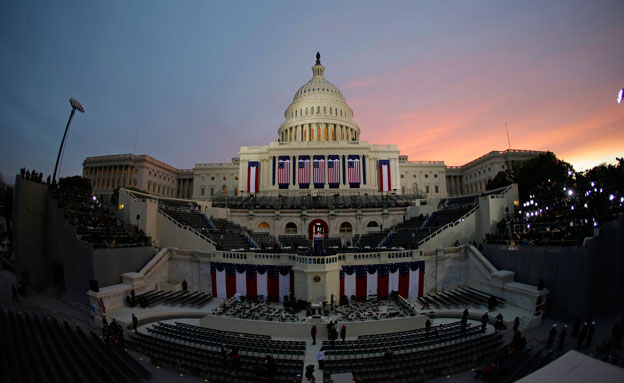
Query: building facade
pixel 141 172
pixel 318 152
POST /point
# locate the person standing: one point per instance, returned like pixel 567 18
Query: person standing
pixel 427 327
pixel 343 332
pixel 551 337
pixel 590 334
pixel 320 356
pixel 184 286
pixel 135 323
pixel 516 324
pixel 484 321
pixel 562 337
pixel 582 335
pixel 313 332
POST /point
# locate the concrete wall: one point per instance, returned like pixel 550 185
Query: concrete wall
pixel 29 221
pixel 195 271
pixel 582 280
pixel 172 235
pixel 68 252
pixel 110 264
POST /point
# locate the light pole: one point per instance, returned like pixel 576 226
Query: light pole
pixel 75 106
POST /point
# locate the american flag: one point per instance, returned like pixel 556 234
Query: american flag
pixel 354 169
pixel 304 170
pixel 318 166
pixel 283 171
pixel 333 170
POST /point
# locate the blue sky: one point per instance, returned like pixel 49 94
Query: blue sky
pixel 195 80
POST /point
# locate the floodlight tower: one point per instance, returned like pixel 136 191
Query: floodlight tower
pixel 75 106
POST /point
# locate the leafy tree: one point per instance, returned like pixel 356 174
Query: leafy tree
pixel 502 178
pixel 543 173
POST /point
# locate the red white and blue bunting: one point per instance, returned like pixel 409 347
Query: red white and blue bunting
pixel 273 282
pixel 406 278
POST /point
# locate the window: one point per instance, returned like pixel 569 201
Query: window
pixel 427 189
pixel 414 176
pixel 435 175
pixel 236 178
pixel 324 110
pixel 264 225
pixel 291 228
pixel 212 178
pixel 346 227
pixel 211 191
pixel 426 175
pixel 402 175
pixel 437 189
pixel 372 224
pixel 224 178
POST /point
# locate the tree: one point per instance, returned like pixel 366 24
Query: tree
pixel 502 178
pixel 544 173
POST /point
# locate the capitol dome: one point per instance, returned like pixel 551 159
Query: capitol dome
pixel 318 112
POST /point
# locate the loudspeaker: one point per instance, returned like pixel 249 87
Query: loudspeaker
pixel 93 285
pixel 540 284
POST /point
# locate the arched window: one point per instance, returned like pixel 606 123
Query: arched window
pixel 264 225
pixel 291 228
pixel 372 224
pixel 346 227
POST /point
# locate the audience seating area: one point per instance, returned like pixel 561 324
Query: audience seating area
pixel 94 222
pixel 372 310
pixel 42 349
pixel 317 202
pixel 256 311
pixel 179 298
pixel 295 241
pixel 460 298
pixel 196 350
pixel 411 356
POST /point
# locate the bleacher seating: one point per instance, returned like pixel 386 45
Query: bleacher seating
pixel 295 241
pixel 414 354
pixel 196 350
pixel 94 222
pixel 263 240
pixel 460 298
pixel 42 349
pixel 372 239
pixel 317 202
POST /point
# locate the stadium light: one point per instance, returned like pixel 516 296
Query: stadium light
pixel 75 106
pixel 620 96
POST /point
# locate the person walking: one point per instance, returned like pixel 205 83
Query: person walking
pixel 135 323
pixel 484 321
pixel 313 332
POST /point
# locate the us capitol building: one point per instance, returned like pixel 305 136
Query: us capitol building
pixel 318 152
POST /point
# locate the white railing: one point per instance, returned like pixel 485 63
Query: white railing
pixel 187 228
pixel 451 224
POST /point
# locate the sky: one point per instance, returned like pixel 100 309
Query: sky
pixel 192 81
